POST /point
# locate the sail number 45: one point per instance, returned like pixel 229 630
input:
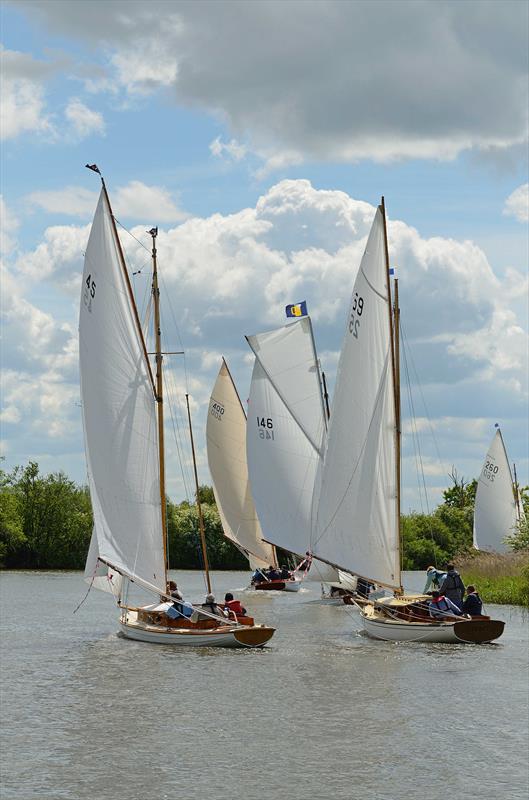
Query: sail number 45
pixel 357 308
pixel 265 426
pixel 89 292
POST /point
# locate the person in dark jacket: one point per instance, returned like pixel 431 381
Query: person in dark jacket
pixel 452 586
pixel 473 604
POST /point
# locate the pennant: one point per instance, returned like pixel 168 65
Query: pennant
pixel 297 310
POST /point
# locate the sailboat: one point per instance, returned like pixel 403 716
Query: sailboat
pixel 122 405
pixel 226 448
pixel 286 432
pixel 356 502
pixel 497 508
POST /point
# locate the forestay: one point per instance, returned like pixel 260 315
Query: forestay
pixel 226 447
pixel 98 574
pixel 119 414
pixel 355 503
pixel 285 433
pixel 495 513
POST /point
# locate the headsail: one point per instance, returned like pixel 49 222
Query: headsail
pixel 355 504
pixel 226 446
pixel 119 413
pixel 495 514
pixel 285 435
pixel 98 574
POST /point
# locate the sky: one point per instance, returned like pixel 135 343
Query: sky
pixel 259 137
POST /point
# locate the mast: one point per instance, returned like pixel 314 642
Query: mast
pixel 394 346
pixel 199 507
pixel 325 395
pixel 159 393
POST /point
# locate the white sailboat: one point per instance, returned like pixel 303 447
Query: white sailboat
pixel 123 426
pixel 356 505
pixel 497 508
pixel 286 431
pixel 226 448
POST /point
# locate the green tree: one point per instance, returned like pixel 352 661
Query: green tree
pixel 12 537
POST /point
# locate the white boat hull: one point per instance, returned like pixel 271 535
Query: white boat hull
pixel 459 632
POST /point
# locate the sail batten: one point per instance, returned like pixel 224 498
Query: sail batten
pixel 119 413
pixel 354 516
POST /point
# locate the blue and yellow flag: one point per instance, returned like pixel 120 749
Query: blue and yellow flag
pixel 298 310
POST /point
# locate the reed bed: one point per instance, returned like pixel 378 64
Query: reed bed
pixel 498 578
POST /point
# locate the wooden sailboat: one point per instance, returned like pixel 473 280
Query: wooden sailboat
pixel 123 425
pixel 497 508
pixel 286 433
pixel 356 508
pixel 226 447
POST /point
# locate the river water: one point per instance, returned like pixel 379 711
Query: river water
pixel 322 712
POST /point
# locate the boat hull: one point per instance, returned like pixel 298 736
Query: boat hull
pixel 247 637
pixel 278 586
pixel 460 632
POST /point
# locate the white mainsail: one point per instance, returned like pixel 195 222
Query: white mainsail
pixel 99 575
pixel 119 414
pixel 226 447
pixel 285 436
pixel 495 511
pixel 355 524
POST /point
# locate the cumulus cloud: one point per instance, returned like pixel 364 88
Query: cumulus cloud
pixel 22 107
pixel 226 276
pixel 517 204
pixel 133 201
pixel 302 81
pixel 82 119
pixel 233 149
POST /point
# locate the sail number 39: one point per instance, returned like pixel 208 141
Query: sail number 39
pixel 89 292
pixel 357 308
pixel 265 427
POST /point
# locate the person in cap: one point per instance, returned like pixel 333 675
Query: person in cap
pixel 473 604
pixel 434 579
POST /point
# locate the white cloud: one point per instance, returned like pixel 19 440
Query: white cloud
pixel 72 200
pixel 22 106
pixel 517 204
pixel 226 276
pixel 9 225
pixel 233 149
pixel 83 120
pixel 291 78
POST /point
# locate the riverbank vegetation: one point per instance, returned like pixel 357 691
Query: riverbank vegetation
pixel 46 523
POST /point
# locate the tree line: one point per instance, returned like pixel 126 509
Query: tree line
pixel 46 523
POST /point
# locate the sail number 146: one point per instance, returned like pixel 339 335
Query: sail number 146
pixel 357 308
pixel 265 427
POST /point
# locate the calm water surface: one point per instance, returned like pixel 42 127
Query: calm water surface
pixel 323 712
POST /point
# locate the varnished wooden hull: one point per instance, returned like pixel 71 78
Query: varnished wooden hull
pixel 278 586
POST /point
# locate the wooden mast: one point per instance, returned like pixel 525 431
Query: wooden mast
pixel 394 346
pixel 516 493
pixel 159 394
pixel 199 507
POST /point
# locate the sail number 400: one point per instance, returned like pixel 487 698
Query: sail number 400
pixel 357 308
pixel 265 426
pixel 217 410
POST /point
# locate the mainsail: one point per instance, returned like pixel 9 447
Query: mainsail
pixel 355 524
pixel 226 446
pixel 119 414
pixel 495 510
pixel 285 436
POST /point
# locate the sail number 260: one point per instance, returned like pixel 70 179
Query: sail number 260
pixel 357 308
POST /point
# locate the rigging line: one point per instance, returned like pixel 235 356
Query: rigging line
pixel 418 383
pixel 418 446
pixel 131 234
pixel 413 426
pixel 175 427
pixel 167 297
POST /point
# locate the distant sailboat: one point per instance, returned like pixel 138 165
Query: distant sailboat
pixel 356 509
pixel 122 405
pixel 226 447
pixel 497 508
